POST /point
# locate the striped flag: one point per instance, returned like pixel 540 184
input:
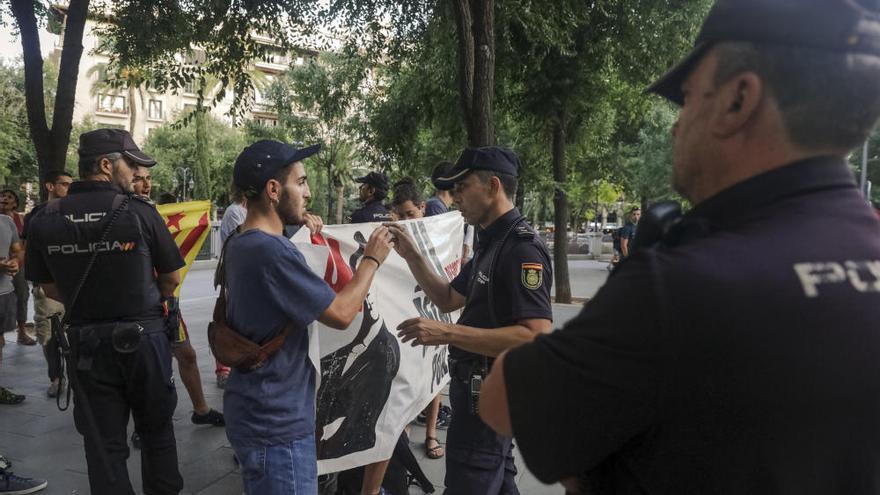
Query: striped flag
pixel 189 224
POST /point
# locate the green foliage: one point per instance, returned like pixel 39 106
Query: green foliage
pixel 175 148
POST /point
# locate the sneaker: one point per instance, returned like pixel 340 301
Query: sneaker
pixel 222 378
pixel 136 440
pixel 422 419
pixel 26 340
pixel 212 417
pixel 444 417
pixel 10 484
pixel 54 389
pixel 9 397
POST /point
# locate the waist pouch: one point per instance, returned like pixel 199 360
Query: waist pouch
pixel 234 349
pixel 237 351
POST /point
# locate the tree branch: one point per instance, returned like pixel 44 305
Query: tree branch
pixel 68 72
pixel 23 10
pixel 463 27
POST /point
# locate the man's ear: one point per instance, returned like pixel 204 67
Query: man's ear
pixel 106 166
pixel 739 101
pixel 272 189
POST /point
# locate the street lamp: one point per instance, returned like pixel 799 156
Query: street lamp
pixel 186 180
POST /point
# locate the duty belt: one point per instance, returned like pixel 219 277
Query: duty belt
pixel 464 369
pixel 124 335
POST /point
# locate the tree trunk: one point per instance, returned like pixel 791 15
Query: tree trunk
pixel 475 29
pixel 560 216
pixel 50 143
pixel 340 201
pixel 329 190
pixel 132 110
pixel 201 176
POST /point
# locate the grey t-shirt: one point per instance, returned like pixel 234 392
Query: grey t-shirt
pixel 232 218
pixel 8 236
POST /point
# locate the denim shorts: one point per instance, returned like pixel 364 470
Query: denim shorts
pixel 281 469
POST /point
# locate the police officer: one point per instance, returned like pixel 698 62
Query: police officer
pixel 505 293
pixel 118 331
pixel 750 365
pixel 374 188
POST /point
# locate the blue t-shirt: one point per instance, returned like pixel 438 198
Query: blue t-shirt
pixel 269 284
pixel 435 206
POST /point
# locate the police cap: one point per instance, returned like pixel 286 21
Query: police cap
pixel 105 141
pixel 261 161
pixel 846 26
pixel 375 179
pixel 495 159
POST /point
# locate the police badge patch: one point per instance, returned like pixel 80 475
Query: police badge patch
pixel 532 275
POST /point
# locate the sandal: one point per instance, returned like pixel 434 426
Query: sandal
pixel 433 452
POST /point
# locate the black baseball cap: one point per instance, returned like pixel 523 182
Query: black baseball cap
pixel 261 161
pixel 375 179
pixel 495 159
pixel 441 170
pixel 105 141
pixel 845 26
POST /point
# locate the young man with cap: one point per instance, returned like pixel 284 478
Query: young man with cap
pixel 57 184
pixel 119 329
pixel 744 370
pixel 374 188
pixel 505 293
pixel 270 411
pixel 442 199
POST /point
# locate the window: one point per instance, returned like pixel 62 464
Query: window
pixel 112 103
pixel 266 121
pixel 191 87
pixel 155 110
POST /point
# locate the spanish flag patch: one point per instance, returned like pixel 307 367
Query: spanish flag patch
pixel 532 275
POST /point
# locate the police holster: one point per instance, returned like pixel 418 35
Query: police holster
pixel 230 347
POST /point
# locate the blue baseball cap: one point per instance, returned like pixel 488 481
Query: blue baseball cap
pixel 495 159
pixel 261 161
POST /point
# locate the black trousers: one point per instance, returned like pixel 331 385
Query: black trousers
pixel 117 385
pixel 53 359
pixel 478 460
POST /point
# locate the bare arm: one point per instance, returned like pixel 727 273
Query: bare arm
pixel 16 250
pixel 484 341
pixel 624 247
pixel 167 282
pixel 348 302
pixel 437 288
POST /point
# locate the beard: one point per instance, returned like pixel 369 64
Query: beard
pixel 287 211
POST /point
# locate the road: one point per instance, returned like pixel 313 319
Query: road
pixel 42 442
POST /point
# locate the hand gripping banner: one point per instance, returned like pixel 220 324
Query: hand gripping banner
pixel 370 386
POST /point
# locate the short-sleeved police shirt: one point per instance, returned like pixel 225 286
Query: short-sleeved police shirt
pixel 372 211
pixel 739 356
pixel 96 196
pixel 520 283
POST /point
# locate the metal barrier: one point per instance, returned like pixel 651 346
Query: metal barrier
pixel 211 248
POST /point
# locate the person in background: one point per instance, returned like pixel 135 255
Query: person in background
pixel 374 188
pixel 9 204
pixel 57 184
pixel 440 202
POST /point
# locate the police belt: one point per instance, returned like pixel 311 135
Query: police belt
pixel 124 335
pixel 464 369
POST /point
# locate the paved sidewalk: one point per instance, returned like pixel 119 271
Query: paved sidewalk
pixel 42 441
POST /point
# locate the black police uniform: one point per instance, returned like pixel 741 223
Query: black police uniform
pixel 479 461
pixel 121 291
pixel 372 211
pixel 737 356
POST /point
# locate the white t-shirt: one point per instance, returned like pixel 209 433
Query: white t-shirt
pixel 8 236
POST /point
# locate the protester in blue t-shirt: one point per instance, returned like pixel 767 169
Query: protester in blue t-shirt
pixel 628 231
pixel 270 411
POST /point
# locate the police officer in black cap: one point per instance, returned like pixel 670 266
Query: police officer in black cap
pixel 750 363
pixel 118 328
pixel 505 293
pixel 374 188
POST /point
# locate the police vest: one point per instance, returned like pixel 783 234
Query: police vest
pixel 121 284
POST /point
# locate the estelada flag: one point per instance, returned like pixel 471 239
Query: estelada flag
pixel 189 224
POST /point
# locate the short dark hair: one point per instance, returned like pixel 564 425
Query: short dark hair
pixel 508 182
pixel 167 198
pixel 53 176
pixel 827 99
pixel 406 190
pixel 14 195
pixel 88 165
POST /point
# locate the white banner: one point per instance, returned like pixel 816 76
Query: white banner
pixel 371 386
